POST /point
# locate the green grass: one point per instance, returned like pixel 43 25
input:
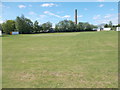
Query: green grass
pixel 61 60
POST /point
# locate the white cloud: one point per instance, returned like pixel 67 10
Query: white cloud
pixel 100 0
pixel 85 9
pixel 3 6
pixel 48 5
pixel 1 21
pixel 66 16
pixel 42 16
pixel 96 17
pixel 101 5
pixel 49 13
pixel 32 13
pixel 21 6
pixel 52 14
pixel 114 21
pixel 108 16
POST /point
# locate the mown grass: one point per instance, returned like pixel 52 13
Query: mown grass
pixel 65 60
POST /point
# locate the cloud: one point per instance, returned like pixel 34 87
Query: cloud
pixel 32 13
pixel 52 14
pixel 114 21
pixel 1 21
pixel 42 16
pixel 66 16
pixel 85 9
pixel 48 5
pixel 100 0
pixel 96 17
pixel 108 16
pixel 3 6
pixel 21 6
pixel 101 5
pixel 49 13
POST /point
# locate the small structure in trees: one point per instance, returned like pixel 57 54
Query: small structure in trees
pixel 118 29
pixel 106 29
pixel 0 32
pixel 14 33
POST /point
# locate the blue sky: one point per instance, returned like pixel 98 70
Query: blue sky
pixel 92 12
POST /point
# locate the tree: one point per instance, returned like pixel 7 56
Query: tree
pixel 1 27
pixel 110 24
pixel 56 28
pixel 8 26
pixel 36 26
pixel 106 25
pixel 88 26
pixel 80 26
pixel 118 25
pixel 46 26
pixel 65 25
pixel 24 25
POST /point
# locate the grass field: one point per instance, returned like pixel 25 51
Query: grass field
pixel 61 60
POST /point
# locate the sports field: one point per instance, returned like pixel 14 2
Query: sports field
pixel 61 60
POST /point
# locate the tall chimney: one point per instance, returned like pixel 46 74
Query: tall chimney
pixel 75 16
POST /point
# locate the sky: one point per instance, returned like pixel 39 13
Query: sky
pixel 93 12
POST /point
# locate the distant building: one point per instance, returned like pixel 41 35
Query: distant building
pixel 118 29
pixel 106 29
pixel 14 33
pixel 0 33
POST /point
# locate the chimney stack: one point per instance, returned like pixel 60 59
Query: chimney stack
pixel 75 16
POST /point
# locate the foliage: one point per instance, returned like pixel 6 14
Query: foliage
pixel 46 26
pixel 24 25
pixel 36 27
pixel 106 25
pixel 8 26
pixel 69 26
pixel 1 27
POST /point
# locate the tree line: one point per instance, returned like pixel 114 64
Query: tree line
pixel 25 26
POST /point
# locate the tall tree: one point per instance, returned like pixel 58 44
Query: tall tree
pixel 110 24
pixel 106 25
pixel 46 26
pixel 65 25
pixel 80 26
pixel 24 25
pixel 8 26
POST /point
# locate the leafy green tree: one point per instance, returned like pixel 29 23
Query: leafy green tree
pixel 110 24
pixel 36 27
pixel 80 26
pixel 118 25
pixel 8 26
pixel 106 25
pixel 1 27
pixel 87 26
pixel 46 26
pixel 56 28
pixel 65 25
pixel 24 25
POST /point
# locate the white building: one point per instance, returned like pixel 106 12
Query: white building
pixel 118 29
pixel 14 33
pixel 106 29
pixel 0 33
